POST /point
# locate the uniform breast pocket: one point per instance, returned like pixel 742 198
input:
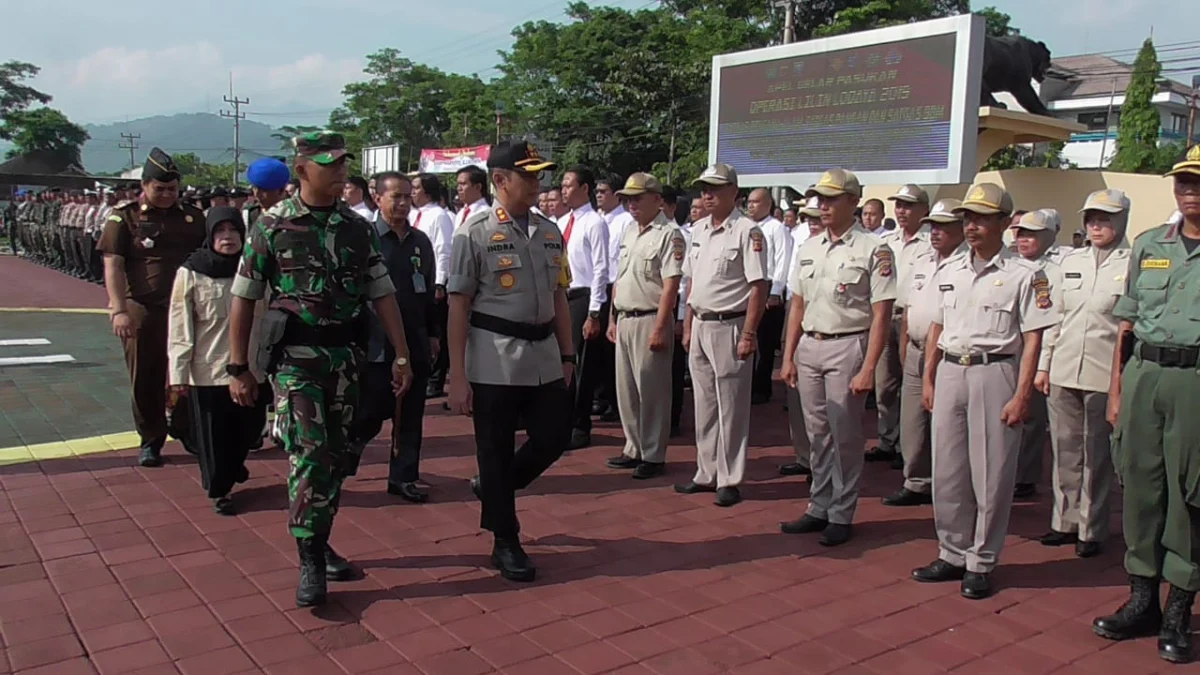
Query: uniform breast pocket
pixel 296 257
pixel 1074 294
pixel 1152 293
pixel 212 302
pixel 649 265
pixel 999 317
pixel 729 262
pixel 851 284
pixel 505 270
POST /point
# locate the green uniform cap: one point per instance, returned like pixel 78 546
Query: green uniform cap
pixel 322 147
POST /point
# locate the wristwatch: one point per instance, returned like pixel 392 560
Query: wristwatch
pixel 594 315
pixel 569 358
pixel 402 361
pixel 236 369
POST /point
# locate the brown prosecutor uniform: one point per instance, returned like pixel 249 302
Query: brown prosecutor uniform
pixel 648 257
pixel 724 261
pixel 152 243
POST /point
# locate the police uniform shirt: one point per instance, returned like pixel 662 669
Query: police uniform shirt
pixel 1161 290
pixel 1081 346
pixel 840 280
pixel 906 253
pixel 510 271
pixel 987 312
pixel 647 259
pixel 587 252
pixel 921 301
pixel 723 261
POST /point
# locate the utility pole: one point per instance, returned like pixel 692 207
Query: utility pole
pixel 130 147
pixel 789 36
pixel 1107 123
pixel 237 116
pixel 1192 110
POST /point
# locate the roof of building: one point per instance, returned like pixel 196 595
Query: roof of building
pixel 1093 75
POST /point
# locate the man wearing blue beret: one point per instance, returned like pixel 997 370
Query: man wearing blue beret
pixel 268 181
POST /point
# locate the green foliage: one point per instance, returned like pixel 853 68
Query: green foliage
pixel 15 95
pixel 195 173
pixel 287 132
pixel 43 129
pixel 1024 157
pixel 997 22
pixel 1137 136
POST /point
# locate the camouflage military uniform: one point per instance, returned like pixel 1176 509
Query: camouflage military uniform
pixel 320 267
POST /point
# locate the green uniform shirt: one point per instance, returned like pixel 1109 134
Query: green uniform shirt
pixel 1162 290
pixel 321 266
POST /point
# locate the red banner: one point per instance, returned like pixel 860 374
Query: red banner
pixel 450 160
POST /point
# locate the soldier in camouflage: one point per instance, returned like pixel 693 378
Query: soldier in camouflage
pixel 321 263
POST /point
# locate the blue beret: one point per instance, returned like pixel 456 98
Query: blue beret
pixel 268 174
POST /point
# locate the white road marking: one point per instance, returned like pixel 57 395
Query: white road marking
pixel 36 360
pixel 24 342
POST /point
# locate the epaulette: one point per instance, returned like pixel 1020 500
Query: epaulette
pixel 1161 228
pixel 125 204
pixel 480 216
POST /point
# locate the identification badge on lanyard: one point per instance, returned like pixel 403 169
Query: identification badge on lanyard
pixel 418 279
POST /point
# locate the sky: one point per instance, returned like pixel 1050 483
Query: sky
pixel 124 59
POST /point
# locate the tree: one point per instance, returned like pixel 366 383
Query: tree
pixel 1137 136
pixel 287 132
pixel 16 96
pixel 196 173
pixel 43 129
pixel 997 22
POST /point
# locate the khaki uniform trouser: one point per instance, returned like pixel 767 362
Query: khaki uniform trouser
pixel 644 388
pixel 1083 470
pixel 721 384
pixel 888 377
pixel 915 444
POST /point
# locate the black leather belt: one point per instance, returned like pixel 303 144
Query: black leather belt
pixel 534 332
pixel 974 359
pixel 635 313
pixel 576 293
pixel 916 345
pixel 832 336
pixel 719 316
pixel 1169 357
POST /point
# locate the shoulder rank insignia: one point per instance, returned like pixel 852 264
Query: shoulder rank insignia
pixel 502 215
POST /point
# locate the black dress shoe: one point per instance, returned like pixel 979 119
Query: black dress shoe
pixel 760 398
pixel 1024 490
pixel 836 535
pixel 434 391
pixel 805 525
pixel 976 586
pixel 1056 538
pixel 1140 616
pixel 647 470
pixel 1088 549
pixel 476 489
pixel 510 559
pixel 223 506
pixel 728 496
pixel 906 497
pixel 579 440
pixel 691 488
pixel 623 462
pixel 880 454
pixel 1175 636
pixel 598 407
pixel 610 415
pixel 337 568
pixel 408 492
pixel 794 469
pixel 938 571
pixel 898 462
pixel 150 456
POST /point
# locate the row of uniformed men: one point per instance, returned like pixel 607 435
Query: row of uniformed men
pixel 60 229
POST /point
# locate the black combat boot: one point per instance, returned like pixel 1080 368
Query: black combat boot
pixel 1140 616
pixel 1175 638
pixel 337 568
pixel 311 590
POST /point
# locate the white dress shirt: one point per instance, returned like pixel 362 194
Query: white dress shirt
pixel 797 236
pixel 587 252
pixel 778 253
pixel 478 206
pixel 365 211
pixel 686 228
pixel 618 219
pixel 437 224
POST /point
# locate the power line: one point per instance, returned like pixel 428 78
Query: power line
pixel 132 138
pixel 237 116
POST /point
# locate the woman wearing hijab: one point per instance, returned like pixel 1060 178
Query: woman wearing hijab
pixel 221 431
pixel 1075 370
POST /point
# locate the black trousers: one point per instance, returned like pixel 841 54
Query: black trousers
pixel 679 359
pixel 770 334
pixel 441 366
pixel 583 387
pixel 377 404
pixel 503 470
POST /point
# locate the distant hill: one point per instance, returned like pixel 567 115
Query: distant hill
pixel 208 136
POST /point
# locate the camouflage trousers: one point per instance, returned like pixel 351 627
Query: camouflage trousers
pixel 316 392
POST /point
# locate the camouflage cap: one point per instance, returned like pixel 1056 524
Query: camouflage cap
pixel 718 174
pixel 987 199
pixel 913 194
pixel 811 208
pixel 943 213
pixel 1035 221
pixel 640 183
pixel 322 147
pixel 1190 163
pixel 835 183
pixel 1109 201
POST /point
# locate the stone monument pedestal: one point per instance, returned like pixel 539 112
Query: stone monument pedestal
pixel 999 128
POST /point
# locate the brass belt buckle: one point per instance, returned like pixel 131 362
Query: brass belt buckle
pixel 964 360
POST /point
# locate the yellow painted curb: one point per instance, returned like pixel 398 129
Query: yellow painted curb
pixel 75 447
pixel 56 310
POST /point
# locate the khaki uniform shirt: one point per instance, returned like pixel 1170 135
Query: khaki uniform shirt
pixel 1078 352
pixel 987 312
pixel 906 254
pixel 724 260
pixel 921 301
pixel 1161 290
pixel 1048 264
pixel 512 272
pixel 841 279
pixel 647 258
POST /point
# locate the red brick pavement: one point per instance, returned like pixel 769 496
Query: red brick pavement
pixel 110 568
pixel 25 284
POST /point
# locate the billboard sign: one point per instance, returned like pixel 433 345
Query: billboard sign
pixel 450 160
pixel 380 158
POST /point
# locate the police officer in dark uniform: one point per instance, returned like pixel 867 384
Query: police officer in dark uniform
pixel 144 242
pixel 511 352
